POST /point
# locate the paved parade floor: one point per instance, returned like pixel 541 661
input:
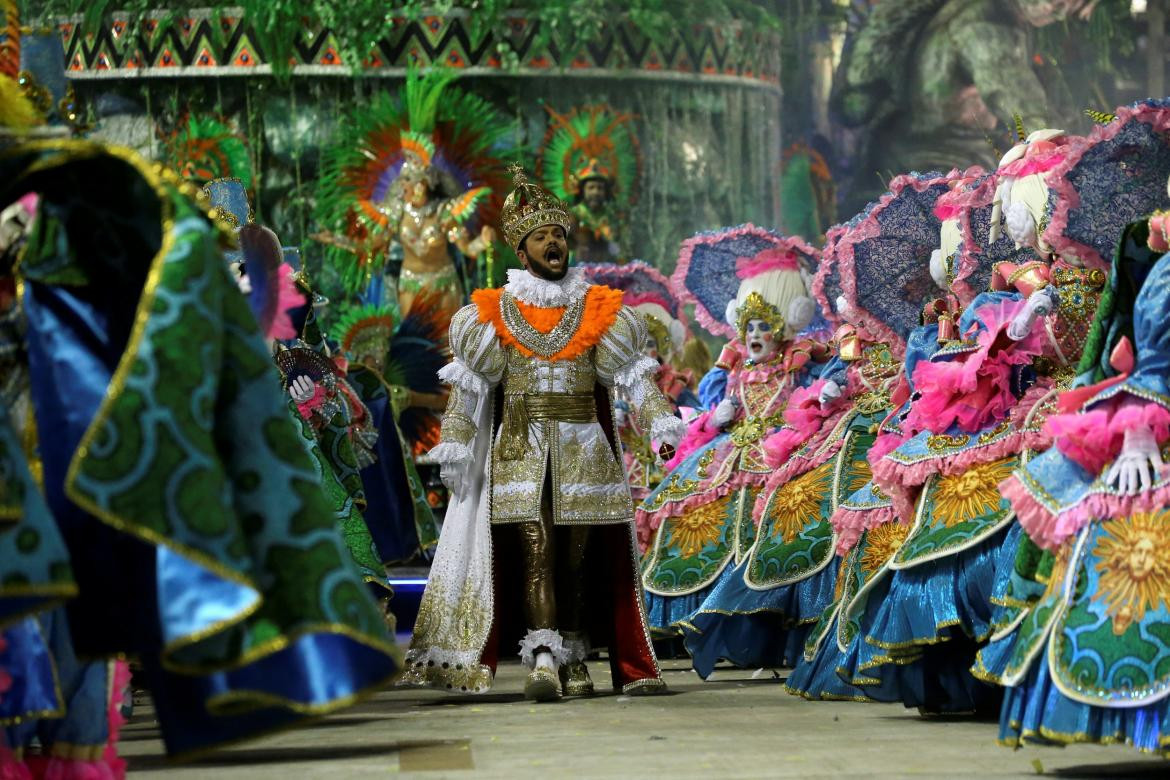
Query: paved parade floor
pixel 740 724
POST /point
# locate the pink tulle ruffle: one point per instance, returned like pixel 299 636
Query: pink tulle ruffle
pixel 699 433
pixel 974 389
pixel 883 446
pixel 850 524
pixel 1095 437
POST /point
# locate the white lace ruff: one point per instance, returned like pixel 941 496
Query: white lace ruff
pixel 545 293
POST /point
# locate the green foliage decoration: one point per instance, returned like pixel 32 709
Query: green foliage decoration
pixel 359 24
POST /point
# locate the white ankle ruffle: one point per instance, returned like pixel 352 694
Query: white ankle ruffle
pixel 542 637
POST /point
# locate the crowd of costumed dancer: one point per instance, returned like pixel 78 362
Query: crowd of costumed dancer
pixel 928 465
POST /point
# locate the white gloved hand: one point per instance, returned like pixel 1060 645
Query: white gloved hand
pixel 1139 463
pixel 452 476
pixel 302 389
pixel 1039 304
pixel 620 416
pixel 830 392
pixel 1020 224
pixel 725 412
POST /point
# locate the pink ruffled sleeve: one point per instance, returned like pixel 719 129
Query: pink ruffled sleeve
pixel 1094 437
pixel 973 389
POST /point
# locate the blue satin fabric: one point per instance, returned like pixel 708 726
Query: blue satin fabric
pixel 74 343
pixel 1151 336
pixel 818 678
pixel 941 607
pixel 1036 712
pixel 712 387
pixel 754 628
pixel 312 674
pixel 389 512
pixel 25 656
pixel 835 370
pixel 192 599
pixel 84 689
pixel 664 613
pixel 920 345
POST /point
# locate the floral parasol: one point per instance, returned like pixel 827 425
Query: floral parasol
pixel 710 266
pixel 639 283
pixel 1115 176
pixel 883 258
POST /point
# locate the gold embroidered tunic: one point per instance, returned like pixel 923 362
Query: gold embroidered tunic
pixel 541 366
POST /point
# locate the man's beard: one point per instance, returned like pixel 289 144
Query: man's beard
pixel 540 267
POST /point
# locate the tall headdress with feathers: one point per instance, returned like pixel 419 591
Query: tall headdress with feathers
pixel 458 141
pixel 590 142
pixel 204 147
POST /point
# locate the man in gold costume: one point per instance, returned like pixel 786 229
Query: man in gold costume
pixel 539 538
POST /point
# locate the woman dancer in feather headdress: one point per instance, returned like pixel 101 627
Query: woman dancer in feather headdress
pixel 414 172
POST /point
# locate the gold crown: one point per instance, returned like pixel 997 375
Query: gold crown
pixel 528 207
pixel 754 307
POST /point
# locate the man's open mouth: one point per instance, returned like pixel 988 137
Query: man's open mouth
pixel 553 257
pixel 756 346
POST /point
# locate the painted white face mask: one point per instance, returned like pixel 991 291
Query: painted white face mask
pixel 760 340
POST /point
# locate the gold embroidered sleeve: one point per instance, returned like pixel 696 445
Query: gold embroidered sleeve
pixel 477 367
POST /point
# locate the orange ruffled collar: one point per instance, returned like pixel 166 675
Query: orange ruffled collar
pixel 602 305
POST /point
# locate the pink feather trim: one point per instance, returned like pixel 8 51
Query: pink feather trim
pixel 850 524
pixel 308 407
pixel 1095 437
pixel 1035 163
pixel 767 260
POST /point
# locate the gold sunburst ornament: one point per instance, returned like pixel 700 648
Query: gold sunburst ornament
pixel 699 527
pixel 973 493
pixel 1133 566
pixel 798 502
pixel 880 545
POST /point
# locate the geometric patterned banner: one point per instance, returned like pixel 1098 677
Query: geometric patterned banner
pixel 214 42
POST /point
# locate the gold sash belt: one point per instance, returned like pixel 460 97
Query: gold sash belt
pixel 521 409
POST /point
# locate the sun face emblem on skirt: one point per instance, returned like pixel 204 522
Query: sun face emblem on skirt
pixel 973 493
pixel 699 527
pixel 880 545
pixel 1133 564
pixel 797 503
